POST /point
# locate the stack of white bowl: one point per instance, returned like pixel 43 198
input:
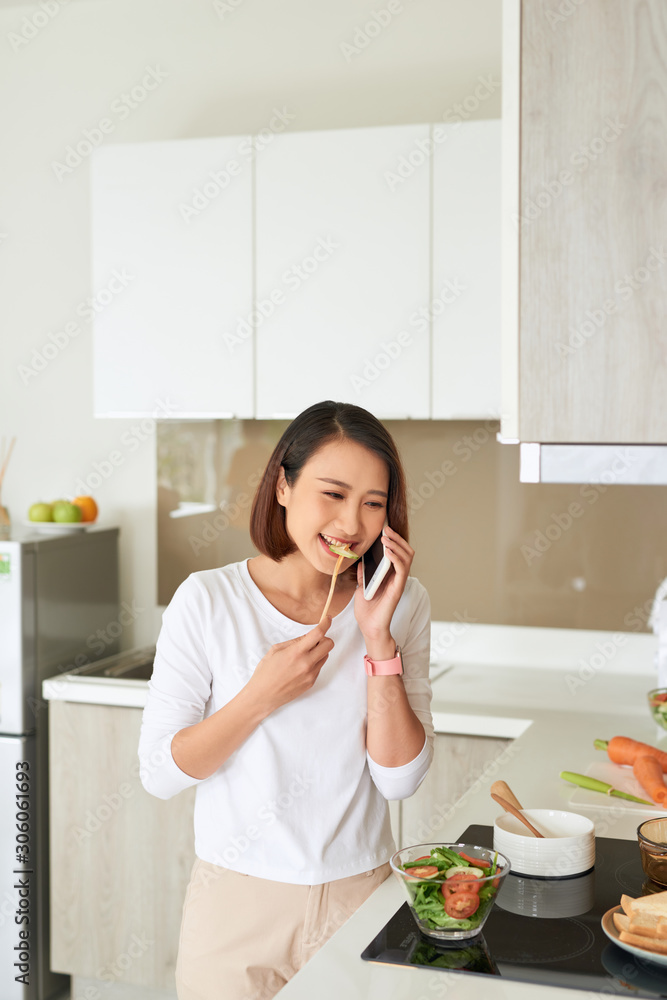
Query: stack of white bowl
pixel 567 847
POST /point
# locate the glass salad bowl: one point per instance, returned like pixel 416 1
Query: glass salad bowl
pixel 657 702
pixel 450 888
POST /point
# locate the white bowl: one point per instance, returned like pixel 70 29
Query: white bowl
pixel 567 848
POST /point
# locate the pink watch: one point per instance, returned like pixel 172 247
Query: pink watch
pixel 382 668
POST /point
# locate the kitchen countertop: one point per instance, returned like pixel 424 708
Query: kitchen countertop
pixel 552 695
pixel 458 649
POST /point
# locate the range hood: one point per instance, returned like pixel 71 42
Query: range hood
pixel 611 464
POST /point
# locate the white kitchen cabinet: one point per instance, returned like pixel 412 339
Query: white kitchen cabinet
pixel 354 264
pixel 342 268
pixel 465 304
pixel 172 278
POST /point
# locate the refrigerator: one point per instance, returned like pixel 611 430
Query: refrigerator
pixel 59 608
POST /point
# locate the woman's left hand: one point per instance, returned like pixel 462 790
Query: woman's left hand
pixel 374 616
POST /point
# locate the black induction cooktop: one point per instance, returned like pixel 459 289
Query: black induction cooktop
pixel 541 931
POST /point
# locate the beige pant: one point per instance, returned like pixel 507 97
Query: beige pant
pixel 243 937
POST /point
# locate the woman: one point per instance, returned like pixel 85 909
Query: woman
pixel 295 733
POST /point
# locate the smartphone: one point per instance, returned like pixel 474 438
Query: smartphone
pixel 375 566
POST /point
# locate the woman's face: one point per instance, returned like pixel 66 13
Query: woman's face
pixel 341 493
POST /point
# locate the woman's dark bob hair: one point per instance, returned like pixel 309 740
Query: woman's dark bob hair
pixel 316 426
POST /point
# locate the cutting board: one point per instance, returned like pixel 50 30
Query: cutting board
pixel 621 778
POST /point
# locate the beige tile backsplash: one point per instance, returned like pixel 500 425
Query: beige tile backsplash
pixel 488 548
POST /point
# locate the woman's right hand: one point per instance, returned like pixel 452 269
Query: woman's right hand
pixel 290 668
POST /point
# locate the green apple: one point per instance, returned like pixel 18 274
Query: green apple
pixel 65 512
pixel 41 512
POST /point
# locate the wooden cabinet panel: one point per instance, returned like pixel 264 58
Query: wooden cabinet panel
pixel 172 272
pixel 342 269
pixel 592 223
pixel 458 762
pixel 120 858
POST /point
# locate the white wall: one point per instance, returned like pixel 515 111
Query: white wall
pixel 226 67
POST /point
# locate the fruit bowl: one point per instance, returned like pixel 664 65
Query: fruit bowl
pixel 450 896
pixel 61 517
pixel 657 702
pixel 56 527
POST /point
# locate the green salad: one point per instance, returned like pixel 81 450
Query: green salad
pixel 451 889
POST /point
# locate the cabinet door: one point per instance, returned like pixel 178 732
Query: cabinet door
pixel 592 223
pixel 458 762
pixel 342 271
pixel 466 271
pixel 172 278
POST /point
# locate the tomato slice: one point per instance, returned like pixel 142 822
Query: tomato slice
pixel 461 883
pixel 422 871
pixel 475 861
pixel 461 904
pixel 425 857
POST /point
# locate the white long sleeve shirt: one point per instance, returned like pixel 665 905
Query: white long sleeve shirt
pixel 300 800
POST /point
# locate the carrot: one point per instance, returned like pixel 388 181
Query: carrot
pixel 648 773
pixel 623 750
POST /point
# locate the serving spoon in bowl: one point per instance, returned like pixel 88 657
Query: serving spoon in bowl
pixel 508 807
pixel 502 788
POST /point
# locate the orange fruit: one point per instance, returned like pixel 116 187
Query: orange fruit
pixel 88 507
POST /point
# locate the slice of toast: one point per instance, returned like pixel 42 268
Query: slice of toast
pixel 655 903
pixel 655 928
pixel 648 943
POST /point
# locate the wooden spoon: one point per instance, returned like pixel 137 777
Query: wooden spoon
pixel 502 788
pixel 508 807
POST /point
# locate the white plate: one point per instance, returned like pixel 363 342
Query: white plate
pixel 57 528
pixel 609 928
pixel 621 778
